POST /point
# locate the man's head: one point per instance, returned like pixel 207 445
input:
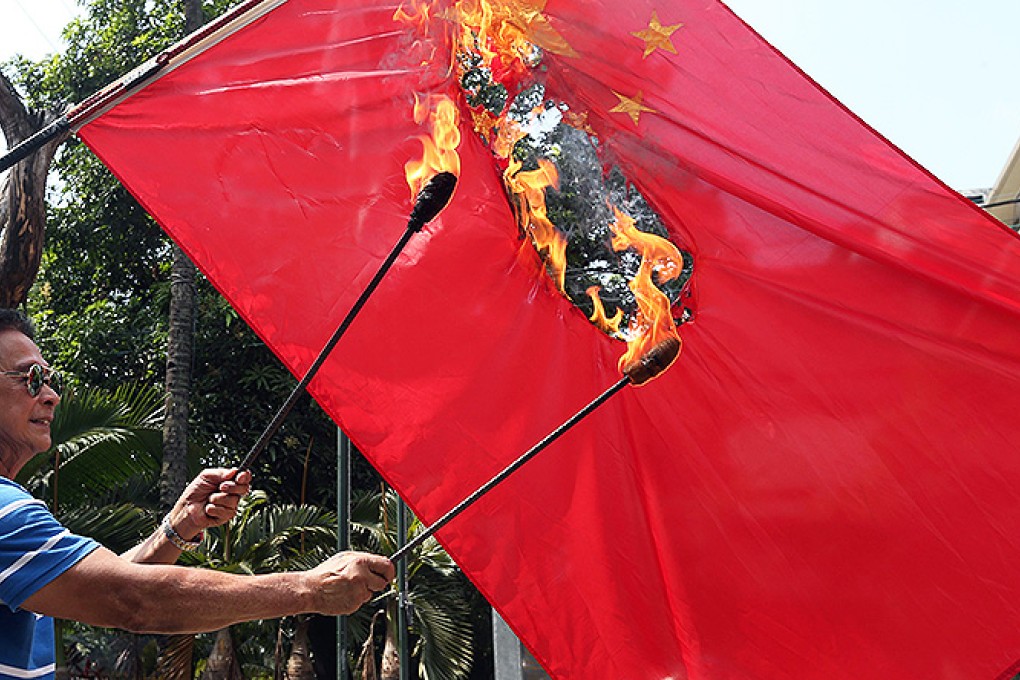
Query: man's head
pixel 24 417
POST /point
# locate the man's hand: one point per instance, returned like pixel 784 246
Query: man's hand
pixel 344 582
pixel 210 500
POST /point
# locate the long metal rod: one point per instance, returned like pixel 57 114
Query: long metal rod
pixel 509 470
pixel 998 203
pixel 274 424
pixel 432 198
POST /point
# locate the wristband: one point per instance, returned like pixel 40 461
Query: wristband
pixel 176 539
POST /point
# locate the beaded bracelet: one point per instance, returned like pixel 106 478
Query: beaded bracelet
pixel 176 539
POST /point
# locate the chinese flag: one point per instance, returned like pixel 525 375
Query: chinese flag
pixel 824 486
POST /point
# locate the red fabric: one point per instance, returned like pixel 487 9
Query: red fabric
pixel 823 486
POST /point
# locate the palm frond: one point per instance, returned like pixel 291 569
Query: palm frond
pixel 265 537
pixel 176 657
pixel 101 439
pixel 118 527
pixel 446 639
pixel 442 618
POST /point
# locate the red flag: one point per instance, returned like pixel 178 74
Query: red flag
pixel 821 487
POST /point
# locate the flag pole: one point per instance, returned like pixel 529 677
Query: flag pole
pixel 432 198
pixel 32 144
pixel 649 366
pixel 343 532
pixel 83 112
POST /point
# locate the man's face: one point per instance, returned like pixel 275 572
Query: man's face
pixel 24 419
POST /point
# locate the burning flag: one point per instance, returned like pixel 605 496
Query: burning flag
pixel 822 485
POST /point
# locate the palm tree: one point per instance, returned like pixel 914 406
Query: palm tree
pixel 102 464
pixel 440 621
pixel 262 538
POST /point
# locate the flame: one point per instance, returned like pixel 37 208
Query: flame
pixel 610 325
pixel 511 29
pixel 527 189
pixel 652 323
pixel 439 151
pixel 499 43
pixel 475 18
pixel 419 14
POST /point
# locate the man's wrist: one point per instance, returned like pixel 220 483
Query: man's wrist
pixel 186 528
pixel 177 539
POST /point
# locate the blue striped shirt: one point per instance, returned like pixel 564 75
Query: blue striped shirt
pixel 34 550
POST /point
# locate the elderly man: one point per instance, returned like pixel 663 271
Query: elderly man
pixel 45 571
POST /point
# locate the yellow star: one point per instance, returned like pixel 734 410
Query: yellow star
pixel 632 106
pixel 657 36
pixel 527 16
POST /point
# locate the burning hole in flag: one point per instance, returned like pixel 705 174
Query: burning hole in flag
pixel 602 245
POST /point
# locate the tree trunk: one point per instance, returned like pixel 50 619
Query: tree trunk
pixel 389 667
pixel 278 669
pixel 179 357
pixel 366 668
pixel 299 664
pixel 222 663
pixel 22 198
pixel 180 350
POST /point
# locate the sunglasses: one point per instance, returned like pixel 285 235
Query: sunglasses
pixel 36 376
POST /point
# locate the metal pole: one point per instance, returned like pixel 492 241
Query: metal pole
pixel 403 642
pixel 420 538
pixel 34 143
pixel 343 532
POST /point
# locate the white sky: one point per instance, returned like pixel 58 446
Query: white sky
pixel 936 77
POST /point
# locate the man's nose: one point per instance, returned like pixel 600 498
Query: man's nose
pixel 49 395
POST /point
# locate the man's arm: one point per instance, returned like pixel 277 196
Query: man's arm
pixel 210 500
pixel 106 590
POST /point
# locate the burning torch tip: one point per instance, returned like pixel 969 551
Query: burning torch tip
pixel 653 362
pixel 432 198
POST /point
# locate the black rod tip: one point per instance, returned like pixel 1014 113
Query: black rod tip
pixel 432 198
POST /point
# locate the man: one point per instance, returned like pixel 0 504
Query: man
pixel 45 571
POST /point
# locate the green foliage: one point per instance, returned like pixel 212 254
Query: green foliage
pixel 441 599
pixel 108 445
pixel 268 537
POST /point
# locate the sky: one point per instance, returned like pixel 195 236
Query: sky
pixel 935 77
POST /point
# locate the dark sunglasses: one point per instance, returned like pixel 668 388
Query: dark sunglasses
pixel 36 376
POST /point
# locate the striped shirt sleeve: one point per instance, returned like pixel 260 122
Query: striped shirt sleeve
pixel 34 547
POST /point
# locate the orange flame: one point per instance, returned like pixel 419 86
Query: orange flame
pixel 652 323
pixel 475 18
pixel 419 15
pixel 528 192
pixel 511 29
pixel 439 151
pixel 507 37
pixel 610 325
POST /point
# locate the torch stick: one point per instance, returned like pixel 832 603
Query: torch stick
pixel 653 363
pixel 432 198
